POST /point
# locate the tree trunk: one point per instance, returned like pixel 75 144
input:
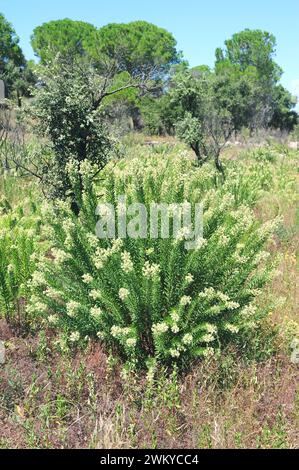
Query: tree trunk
pixel 219 165
pixel 196 149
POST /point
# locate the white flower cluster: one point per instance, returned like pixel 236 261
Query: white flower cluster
pixel 101 335
pixel 211 294
pixel 175 316
pixel 38 279
pixel 231 328
pixel 87 170
pixel 60 256
pixel 92 240
pixel 47 210
pixel 269 227
pixel 71 168
pixel 124 333
pixel 209 338
pixel 123 294
pixel 101 257
pixel 131 342
pixel 63 205
pixel 208 352
pixel 175 328
pixel 102 254
pixel 208 293
pixel 68 225
pixel 189 279
pixel 126 262
pixel 72 308
pixel 95 294
pixel 187 339
pixel 117 331
pixel 231 305
pixel 96 313
pixel 150 271
pixel 185 300
pixel 87 278
pixel 160 328
pixel 223 240
pixel 249 311
pixel 240 259
pixel 52 293
pixel 35 306
pixel 75 337
pixel 48 231
pixel 117 245
pixel 53 319
pixel 184 233
pixel 227 201
pixel 175 353
pixel 261 257
pixel 200 243
pixel 10 268
pixel 210 328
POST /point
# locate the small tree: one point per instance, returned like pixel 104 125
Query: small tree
pixel 69 111
pixel 206 123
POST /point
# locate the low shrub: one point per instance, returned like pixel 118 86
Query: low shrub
pixel 19 248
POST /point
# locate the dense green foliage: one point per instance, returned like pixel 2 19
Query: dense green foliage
pixel 65 37
pixel 14 70
pixel 210 110
pixel 9 45
pixel 137 48
pixel 245 91
pixel 67 111
pixel 152 298
pixel 253 51
pixel 19 247
pixel 252 48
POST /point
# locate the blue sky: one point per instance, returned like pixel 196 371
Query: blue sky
pixel 198 25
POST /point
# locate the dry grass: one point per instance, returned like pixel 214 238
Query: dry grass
pixel 81 401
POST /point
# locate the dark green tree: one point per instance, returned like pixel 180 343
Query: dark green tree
pixel 13 67
pixel 65 37
pixel 251 54
pixel 284 116
pixel 252 48
pixel 10 50
pixel 137 48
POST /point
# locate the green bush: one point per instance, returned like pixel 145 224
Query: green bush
pixel 247 182
pixel 19 249
pixel 149 298
pixel 16 267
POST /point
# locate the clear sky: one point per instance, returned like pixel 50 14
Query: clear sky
pixel 200 26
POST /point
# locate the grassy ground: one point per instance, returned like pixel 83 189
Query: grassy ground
pixel 80 400
pixel 55 398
